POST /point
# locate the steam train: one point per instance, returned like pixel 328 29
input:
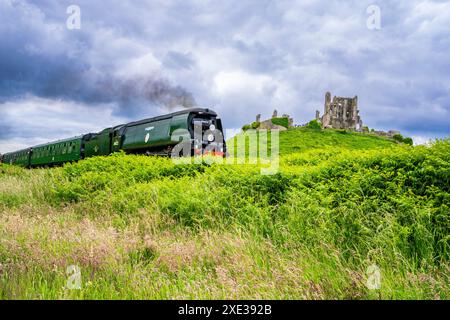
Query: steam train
pixel 190 132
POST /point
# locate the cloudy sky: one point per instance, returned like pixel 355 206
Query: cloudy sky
pixel 134 59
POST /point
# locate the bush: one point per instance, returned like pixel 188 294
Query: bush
pixel 401 139
pixel 314 124
pixel 284 122
pixel 408 141
pixel 246 127
pixel 398 137
pixel 255 125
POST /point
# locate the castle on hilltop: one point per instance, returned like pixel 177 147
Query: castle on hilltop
pixel 343 113
pixel 340 113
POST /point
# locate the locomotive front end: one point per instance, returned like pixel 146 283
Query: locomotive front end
pixel 207 135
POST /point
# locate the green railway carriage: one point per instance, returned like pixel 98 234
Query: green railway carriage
pixel 57 152
pixel 20 158
pixel 103 143
pixel 200 128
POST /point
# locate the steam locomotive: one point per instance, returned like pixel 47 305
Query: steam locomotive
pixel 189 132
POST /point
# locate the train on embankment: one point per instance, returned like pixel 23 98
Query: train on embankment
pixel 197 130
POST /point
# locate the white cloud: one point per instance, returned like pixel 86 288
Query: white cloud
pixel 238 82
pixel 35 120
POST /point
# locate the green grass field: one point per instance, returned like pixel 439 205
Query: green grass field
pixel 144 228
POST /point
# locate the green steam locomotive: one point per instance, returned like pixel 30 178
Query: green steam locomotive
pixel 197 131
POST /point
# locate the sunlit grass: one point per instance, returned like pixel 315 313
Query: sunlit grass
pixel 143 228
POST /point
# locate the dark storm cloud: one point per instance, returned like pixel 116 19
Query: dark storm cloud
pixel 238 57
pixel 70 80
pixel 62 77
pixel 31 62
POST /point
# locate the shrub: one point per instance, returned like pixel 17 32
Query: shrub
pixel 314 124
pixel 398 137
pixel 408 141
pixel 284 122
pixel 401 139
pixel 246 127
pixel 255 125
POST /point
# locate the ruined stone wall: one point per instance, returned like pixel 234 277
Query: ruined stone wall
pixel 341 113
pixel 269 125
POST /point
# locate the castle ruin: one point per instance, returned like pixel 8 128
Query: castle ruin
pixel 340 113
pixel 270 125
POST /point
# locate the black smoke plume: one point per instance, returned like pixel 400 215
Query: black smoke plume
pixel 71 80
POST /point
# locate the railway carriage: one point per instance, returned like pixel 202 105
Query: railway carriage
pixel 20 157
pixel 56 152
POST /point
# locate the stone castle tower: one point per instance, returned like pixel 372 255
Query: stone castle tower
pixel 340 113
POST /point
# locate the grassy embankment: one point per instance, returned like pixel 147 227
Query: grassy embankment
pixel 142 227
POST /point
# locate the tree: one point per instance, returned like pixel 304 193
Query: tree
pixel 408 140
pixel 398 137
pixel 405 140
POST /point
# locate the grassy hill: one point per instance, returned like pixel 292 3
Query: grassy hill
pixel 301 139
pixel 143 227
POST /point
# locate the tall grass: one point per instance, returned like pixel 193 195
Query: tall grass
pixel 141 227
